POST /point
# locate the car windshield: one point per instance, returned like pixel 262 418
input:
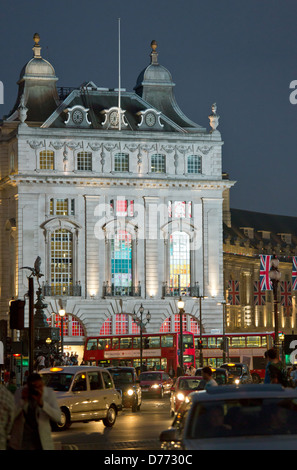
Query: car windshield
pixel 150 377
pixel 190 384
pixel 245 417
pixel 57 381
pixel 122 377
pixel 235 370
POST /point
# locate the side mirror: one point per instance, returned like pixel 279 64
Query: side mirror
pixel 169 435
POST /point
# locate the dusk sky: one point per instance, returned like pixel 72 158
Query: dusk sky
pixel 242 55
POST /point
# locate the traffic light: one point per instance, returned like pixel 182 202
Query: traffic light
pixel 16 311
pixel 200 344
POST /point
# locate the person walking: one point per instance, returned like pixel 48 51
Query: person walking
pixel 7 410
pixel 275 373
pixel 207 376
pixel 36 406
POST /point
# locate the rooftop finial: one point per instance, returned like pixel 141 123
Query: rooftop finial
pixel 154 53
pixel 37 47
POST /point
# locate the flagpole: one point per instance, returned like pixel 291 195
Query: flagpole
pixel 119 94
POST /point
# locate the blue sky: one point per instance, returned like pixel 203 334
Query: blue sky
pixel 240 54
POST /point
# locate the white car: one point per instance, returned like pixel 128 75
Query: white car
pixel 243 417
pixel 84 393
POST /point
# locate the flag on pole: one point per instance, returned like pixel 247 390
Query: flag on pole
pixel 294 273
pixel 286 297
pixel 233 293
pixel 259 295
pixel 265 283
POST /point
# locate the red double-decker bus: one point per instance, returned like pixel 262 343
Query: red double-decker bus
pixel 160 351
pixel 241 347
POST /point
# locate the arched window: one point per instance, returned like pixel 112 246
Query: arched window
pixel 61 254
pixel 71 325
pixel 46 160
pixel 121 263
pixel 180 271
pixel 106 328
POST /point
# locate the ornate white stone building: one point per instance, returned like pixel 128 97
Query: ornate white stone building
pixel 120 194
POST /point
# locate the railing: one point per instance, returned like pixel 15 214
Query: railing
pixel 121 291
pixel 170 291
pixel 55 290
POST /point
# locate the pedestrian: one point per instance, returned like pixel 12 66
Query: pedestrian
pixel 207 376
pixel 275 371
pixel 36 406
pixel 40 362
pixel 7 409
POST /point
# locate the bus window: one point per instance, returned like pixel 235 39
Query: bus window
pixel 167 341
pixel 253 341
pixel 238 342
pixel 104 343
pixel 264 341
pixel 115 343
pixel 188 341
pixel 125 343
pixel 212 342
pixel 154 341
pixel 136 342
pixel 92 344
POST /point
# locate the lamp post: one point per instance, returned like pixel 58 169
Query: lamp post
pixel 62 314
pixel 224 303
pixel 181 305
pixel 274 276
pixel 200 297
pixel 142 324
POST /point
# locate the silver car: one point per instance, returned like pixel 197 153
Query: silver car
pixel 243 417
pixel 84 393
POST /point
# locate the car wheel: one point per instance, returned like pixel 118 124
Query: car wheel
pixel 110 417
pixel 64 422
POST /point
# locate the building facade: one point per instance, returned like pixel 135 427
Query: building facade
pixel 121 196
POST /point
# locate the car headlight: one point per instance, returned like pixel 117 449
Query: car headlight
pixel 237 381
pixel 156 385
pixel 180 396
pixel 130 392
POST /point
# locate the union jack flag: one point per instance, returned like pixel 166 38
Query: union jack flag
pixel 265 283
pixel 259 295
pixel 286 297
pixel 233 294
pixel 294 273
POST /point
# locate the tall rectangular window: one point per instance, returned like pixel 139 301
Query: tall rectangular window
pixel 84 161
pixel 46 160
pixel 61 206
pixel 121 263
pixel 158 163
pixel 61 261
pixel 121 162
pixel 194 164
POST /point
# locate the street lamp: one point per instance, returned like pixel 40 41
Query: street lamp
pixel 62 314
pixel 181 305
pixel 141 324
pixel 274 276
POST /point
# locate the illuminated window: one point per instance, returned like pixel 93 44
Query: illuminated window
pixel 62 206
pixel 158 163
pixel 61 261
pixel 121 162
pixel 121 263
pixel 84 161
pixel 46 160
pixel 122 207
pixel 180 261
pixel 106 328
pixel 179 209
pixel 194 164
pixel 122 325
pixel 71 325
pixel 166 326
pixel 177 323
